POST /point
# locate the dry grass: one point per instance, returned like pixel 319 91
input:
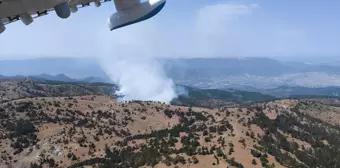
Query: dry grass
pixel 58 139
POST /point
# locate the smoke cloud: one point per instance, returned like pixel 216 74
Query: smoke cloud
pixel 139 79
pixel 181 90
pixel 132 64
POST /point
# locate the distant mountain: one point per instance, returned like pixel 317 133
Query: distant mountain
pixel 296 91
pixel 72 67
pixel 176 68
pixel 93 79
pixel 59 77
pixel 12 89
pixel 260 73
pixel 208 73
pixel 287 91
pixel 219 67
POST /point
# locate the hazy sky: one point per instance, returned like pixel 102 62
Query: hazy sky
pixel 186 28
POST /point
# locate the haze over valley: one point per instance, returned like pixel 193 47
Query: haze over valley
pixel 268 76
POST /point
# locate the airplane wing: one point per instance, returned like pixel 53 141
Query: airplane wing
pixel 10 17
pixel 128 11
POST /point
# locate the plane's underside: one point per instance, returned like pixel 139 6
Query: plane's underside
pixel 128 11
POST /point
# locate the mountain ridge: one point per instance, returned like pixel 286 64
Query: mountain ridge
pixel 59 77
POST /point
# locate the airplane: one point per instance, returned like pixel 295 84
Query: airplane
pixel 128 11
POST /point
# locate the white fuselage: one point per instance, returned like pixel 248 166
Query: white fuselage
pixel 140 12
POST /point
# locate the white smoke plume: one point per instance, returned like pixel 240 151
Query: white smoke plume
pixel 181 90
pixel 131 63
pixel 139 79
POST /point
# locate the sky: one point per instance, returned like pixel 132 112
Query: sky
pixel 186 29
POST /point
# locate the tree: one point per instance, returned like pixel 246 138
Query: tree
pixel 219 152
pixel 254 162
pixel 74 157
pixel 195 160
pixel 231 150
pixel 205 133
pixel 255 153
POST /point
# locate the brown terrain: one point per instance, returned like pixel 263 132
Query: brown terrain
pixel 68 125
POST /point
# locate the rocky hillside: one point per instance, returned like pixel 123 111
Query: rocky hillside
pixel 11 89
pixel 96 131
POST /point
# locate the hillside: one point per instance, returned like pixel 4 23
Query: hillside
pixel 97 131
pixel 234 93
pixel 11 89
pixel 211 98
